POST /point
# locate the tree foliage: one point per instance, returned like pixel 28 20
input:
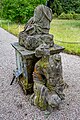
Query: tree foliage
pixel 22 10
pixel 57 7
pixel 66 6
pixel 19 10
pixel 71 5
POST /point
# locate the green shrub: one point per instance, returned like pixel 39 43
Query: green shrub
pixel 56 7
pixel 54 15
pixel 65 16
pixel 62 16
pixel 76 16
pixel 69 16
pixel 18 10
pixel 71 12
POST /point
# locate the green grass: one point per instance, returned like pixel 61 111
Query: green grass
pixel 67 31
pixel 63 30
pixel 13 28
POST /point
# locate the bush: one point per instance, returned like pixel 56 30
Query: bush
pixel 62 16
pixel 71 12
pixel 72 15
pixel 65 16
pixel 69 16
pixel 56 7
pixel 18 10
pixel 76 16
pixel 71 5
pixel 54 15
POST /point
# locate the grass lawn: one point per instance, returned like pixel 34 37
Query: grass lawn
pixel 67 31
pixel 13 28
pixel 63 30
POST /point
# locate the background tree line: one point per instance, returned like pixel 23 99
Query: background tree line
pixel 22 10
pixel 18 10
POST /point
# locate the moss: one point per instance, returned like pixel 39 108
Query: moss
pixel 42 105
pixel 50 87
pixel 43 63
pixel 39 101
pixel 25 85
pixel 36 100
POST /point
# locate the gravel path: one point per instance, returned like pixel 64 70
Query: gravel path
pixel 14 105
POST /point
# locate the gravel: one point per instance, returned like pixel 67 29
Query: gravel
pixel 14 105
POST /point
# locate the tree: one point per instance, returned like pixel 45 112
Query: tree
pixel 19 10
pixel 57 7
pixel 71 5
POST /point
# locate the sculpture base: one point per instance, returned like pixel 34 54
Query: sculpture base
pixel 25 62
